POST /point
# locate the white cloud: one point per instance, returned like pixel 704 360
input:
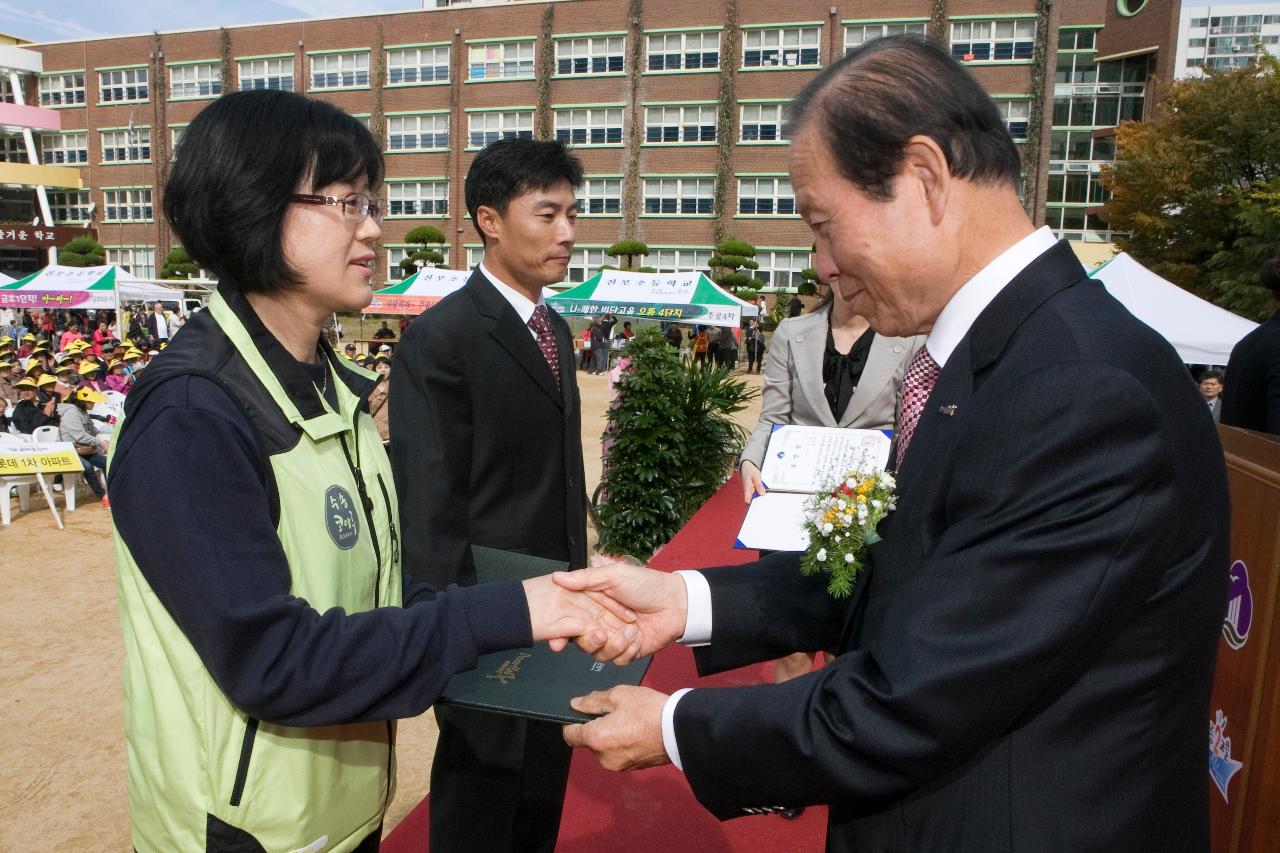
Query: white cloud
pixel 34 24
pixel 89 18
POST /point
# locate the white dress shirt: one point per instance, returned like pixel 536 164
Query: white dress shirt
pixel 950 328
pixel 518 300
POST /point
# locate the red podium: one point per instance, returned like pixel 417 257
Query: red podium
pixel 1244 725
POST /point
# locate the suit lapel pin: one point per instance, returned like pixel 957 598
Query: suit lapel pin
pixel 947 410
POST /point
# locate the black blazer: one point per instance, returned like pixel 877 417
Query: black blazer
pixel 1026 664
pixel 486 449
pixel 1251 392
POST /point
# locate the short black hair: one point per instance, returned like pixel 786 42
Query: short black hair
pixel 237 166
pixel 509 168
pixel 1213 373
pixel 1269 275
pixel 881 94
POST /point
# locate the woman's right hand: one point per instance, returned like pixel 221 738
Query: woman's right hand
pixel 752 485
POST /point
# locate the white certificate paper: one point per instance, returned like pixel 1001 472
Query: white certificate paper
pixel 805 459
pixel 775 522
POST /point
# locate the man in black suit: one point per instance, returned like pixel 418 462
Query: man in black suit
pixel 1252 396
pixel 1025 664
pixel 487 450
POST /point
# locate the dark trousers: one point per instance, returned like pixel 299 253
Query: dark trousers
pixel 91 464
pixel 497 783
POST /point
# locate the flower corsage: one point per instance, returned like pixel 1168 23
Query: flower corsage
pixel 841 522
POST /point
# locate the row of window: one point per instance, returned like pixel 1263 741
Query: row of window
pixel 779 268
pixel 667 124
pixel 663 196
pixel 1088 96
pixel 574 126
pixel 762 47
pixel 1232 22
pixel 72 148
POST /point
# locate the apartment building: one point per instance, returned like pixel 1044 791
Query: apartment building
pixel 676 109
pixel 1226 36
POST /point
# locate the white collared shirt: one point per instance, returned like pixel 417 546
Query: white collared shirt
pixel 950 328
pixel 977 293
pixel 520 302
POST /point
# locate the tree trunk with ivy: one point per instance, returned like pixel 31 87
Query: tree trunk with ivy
pixel 224 56
pixel 726 117
pixel 937 28
pixel 544 127
pixel 630 226
pixel 1033 186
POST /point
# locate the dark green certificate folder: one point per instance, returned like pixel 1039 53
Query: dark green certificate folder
pixel 536 682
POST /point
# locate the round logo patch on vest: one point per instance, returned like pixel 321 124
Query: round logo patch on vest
pixel 341 517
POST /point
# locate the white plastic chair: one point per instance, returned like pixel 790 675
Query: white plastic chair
pixel 20 483
pixel 70 482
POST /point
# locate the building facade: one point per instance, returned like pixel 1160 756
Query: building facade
pixel 676 109
pixel 1226 36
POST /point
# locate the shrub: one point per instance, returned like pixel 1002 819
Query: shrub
pixel 671 443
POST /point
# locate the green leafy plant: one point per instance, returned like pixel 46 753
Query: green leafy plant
pixel 426 236
pixel 628 251
pixel 645 446
pixel 808 287
pixel 1192 186
pixel 82 251
pixel 730 257
pixel 713 439
pixel 775 315
pixel 671 442
pixel 179 264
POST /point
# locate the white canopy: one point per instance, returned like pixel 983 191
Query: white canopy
pixel 1200 331
pixel 81 287
pixel 4 279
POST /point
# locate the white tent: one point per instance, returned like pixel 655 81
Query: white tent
pixel 132 288
pixel 4 279
pixel 1200 331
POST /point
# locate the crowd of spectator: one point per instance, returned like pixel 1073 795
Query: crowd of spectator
pixel 61 369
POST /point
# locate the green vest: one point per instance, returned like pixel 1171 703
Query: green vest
pixel 200 768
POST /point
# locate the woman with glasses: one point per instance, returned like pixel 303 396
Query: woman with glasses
pixel 268 645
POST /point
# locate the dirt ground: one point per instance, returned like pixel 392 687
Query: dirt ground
pixel 62 780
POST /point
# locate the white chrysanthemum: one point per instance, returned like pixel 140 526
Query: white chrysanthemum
pixel 876 504
pixel 841 504
pixel 848 558
pixel 839 537
pixel 822 555
pixel 886 480
pixel 851 483
pixel 862 513
pixel 828 527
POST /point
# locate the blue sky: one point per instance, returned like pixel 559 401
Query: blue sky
pixel 76 19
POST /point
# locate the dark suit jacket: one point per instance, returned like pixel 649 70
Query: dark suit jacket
pixel 153 328
pixel 1026 664
pixel 486 449
pixel 1251 393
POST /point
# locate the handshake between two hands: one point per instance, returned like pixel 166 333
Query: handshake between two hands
pixel 617 613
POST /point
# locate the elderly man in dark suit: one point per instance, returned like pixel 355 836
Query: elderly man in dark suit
pixel 487 450
pixel 1026 662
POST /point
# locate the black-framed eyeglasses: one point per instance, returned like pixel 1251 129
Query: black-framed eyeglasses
pixel 355 206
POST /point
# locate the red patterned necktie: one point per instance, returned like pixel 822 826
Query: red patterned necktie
pixel 540 322
pixel 922 372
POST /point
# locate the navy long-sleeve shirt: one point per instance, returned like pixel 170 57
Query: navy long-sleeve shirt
pixel 191 502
